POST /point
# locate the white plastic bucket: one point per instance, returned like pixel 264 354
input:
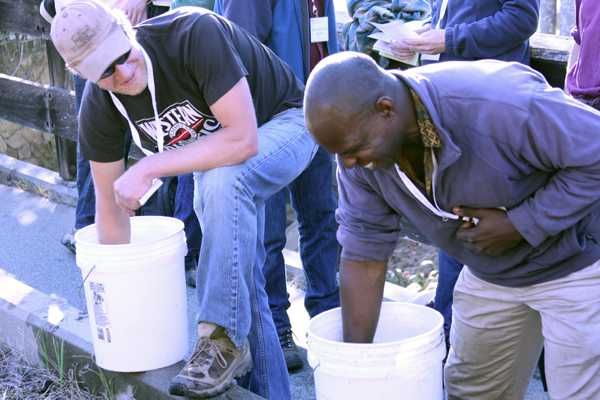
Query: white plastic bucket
pixel 136 295
pixel 403 362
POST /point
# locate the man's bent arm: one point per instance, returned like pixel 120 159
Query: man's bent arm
pixel 361 292
pixel 112 221
pixel 234 143
pixel 561 138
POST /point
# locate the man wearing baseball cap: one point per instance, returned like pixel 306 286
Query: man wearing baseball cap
pixel 199 95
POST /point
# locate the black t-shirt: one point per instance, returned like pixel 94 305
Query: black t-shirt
pixel 197 57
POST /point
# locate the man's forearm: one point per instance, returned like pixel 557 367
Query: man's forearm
pixel 361 289
pixel 112 222
pixel 112 225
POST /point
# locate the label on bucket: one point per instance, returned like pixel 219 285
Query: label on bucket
pixel 100 313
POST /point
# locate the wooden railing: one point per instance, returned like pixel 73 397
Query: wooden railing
pixel 51 108
pixel 48 108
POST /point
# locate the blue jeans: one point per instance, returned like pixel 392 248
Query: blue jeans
pixel 184 210
pixel 229 202
pixel 85 209
pixel 314 203
pixel 449 269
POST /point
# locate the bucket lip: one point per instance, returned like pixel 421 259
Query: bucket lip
pixel 84 230
pixel 373 346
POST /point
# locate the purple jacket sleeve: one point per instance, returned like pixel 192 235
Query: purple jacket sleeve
pixel 563 138
pixel 255 16
pixel 489 37
pixel 368 228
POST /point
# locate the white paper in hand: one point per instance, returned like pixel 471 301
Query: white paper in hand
pixel 396 30
pixel 156 183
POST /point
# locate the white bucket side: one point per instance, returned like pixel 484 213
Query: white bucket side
pixel 411 365
pixel 136 298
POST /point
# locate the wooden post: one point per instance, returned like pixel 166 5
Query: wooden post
pixel 548 16
pixel 66 150
pixel 567 16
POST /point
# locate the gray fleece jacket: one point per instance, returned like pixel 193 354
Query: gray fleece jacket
pixel 508 140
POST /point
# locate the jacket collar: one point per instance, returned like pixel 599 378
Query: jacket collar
pixel 422 86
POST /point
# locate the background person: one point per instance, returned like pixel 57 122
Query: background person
pixel 583 68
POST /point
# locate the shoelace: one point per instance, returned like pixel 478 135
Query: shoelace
pixel 209 347
pixel 286 339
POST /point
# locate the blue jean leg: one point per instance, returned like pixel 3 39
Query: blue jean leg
pixel 449 269
pixel 314 203
pixel 229 202
pixel 184 210
pixel 85 209
pixel 274 268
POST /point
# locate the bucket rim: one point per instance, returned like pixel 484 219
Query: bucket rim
pixel 84 230
pixel 374 346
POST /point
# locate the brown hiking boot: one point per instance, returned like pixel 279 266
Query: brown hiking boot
pixel 212 367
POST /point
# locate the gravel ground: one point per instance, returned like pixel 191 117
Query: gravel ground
pixel 413 263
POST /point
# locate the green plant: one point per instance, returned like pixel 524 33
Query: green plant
pixel 52 354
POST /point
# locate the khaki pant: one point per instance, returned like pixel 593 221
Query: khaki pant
pixel 498 332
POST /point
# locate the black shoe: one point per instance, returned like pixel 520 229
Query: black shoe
pixel 68 240
pixel 293 360
pixel 190 277
pixel 191 264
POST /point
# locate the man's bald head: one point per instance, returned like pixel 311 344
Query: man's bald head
pixel 342 86
pixel 359 111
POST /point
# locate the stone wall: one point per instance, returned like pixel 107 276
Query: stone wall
pixel 25 58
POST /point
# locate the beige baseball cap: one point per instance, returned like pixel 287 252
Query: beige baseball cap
pixel 88 37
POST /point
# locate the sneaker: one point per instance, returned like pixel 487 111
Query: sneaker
pixel 68 240
pixel 212 367
pixel 293 360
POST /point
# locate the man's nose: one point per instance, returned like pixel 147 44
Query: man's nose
pixel 123 70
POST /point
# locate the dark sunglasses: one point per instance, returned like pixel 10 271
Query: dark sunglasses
pixel 111 68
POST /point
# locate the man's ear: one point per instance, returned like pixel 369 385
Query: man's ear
pixel 384 105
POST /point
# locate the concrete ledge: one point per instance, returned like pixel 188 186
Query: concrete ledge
pixel 37 180
pixel 47 330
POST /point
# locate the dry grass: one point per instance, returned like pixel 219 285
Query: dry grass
pixel 19 380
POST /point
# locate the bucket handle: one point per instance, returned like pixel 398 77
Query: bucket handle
pixel 86 277
pixel 313 360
